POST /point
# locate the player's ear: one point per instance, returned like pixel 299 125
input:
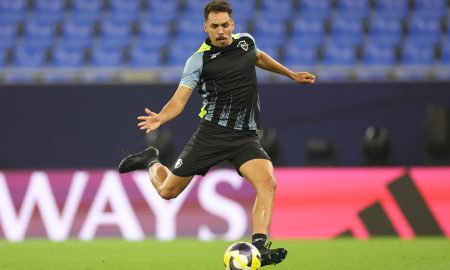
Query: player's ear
pixel 204 27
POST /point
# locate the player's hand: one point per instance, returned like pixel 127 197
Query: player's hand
pixel 303 77
pixel 149 122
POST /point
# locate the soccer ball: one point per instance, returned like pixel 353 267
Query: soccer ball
pixel 242 256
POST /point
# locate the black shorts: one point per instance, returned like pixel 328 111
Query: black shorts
pixel 212 144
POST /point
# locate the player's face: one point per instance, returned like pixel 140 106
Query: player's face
pixel 219 27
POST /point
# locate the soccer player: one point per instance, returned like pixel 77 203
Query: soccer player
pixel 223 72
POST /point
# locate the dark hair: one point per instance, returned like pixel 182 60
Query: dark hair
pixel 217 6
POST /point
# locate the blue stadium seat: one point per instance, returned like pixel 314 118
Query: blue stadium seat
pixel 85 16
pixel 353 8
pixel 436 7
pixel 154 29
pixel 87 10
pixel 113 28
pixel 75 28
pixel 240 28
pixel 190 27
pixel 13 10
pixel 315 9
pixel 242 20
pixel 263 75
pixel 265 42
pixel 28 57
pixel 418 55
pixel 125 6
pixel 150 43
pixel 385 30
pixel 124 17
pixel 347 31
pixel 300 55
pixel 105 56
pixel 195 7
pixel 76 43
pixel 445 54
pixel 39 33
pixel 391 9
pixel 181 50
pixel 270 30
pixel 164 5
pixel 339 55
pixel 277 9
pixel 243 12
pixel 273 51
pixel 354 5
pixel 163 10
pixel 88 6
pixel 424 29
pixel 2 59
pixel 8 34
pixel 49 5
pixel 308 32
pixel 116 32
pixel 157 16
pixel 67 57
pixel 51 10
pixel 379 55
pixel 141 57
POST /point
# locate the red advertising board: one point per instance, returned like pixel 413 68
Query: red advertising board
pixel 318 203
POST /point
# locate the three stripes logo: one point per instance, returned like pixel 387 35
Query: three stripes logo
pixel 411 207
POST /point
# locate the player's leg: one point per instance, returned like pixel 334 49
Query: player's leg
pixel 260 173
pixel 168 185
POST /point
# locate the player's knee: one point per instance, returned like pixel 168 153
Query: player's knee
pixel 269 184
pixel 168 194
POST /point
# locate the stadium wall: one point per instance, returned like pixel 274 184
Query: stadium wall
pixel 93 126
pixel 310 204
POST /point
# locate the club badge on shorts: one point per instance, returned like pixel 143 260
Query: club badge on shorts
pixel 178 163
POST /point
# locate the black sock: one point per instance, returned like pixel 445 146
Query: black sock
pixel 258 240
pixel 152 162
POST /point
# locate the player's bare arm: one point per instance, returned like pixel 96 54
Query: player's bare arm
pixel 172 109
pixel 266 62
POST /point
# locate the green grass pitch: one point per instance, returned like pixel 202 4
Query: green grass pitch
pixel 186 254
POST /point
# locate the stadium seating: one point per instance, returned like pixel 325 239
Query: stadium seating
pixel 347 31
pixel 385 30
pixel 26 56
pixel 379 55
pixel 2 60
pixel 39 33
pixel 13 10
pixel 418 54
pixel 308 32
pixel 315 9
pixel 339 55
pixel 300 55
pixel 121 34
pixel 66 56
pixel 8 32
pixel 107 55
pixel 141 57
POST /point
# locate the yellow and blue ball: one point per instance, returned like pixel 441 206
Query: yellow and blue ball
pixel 242 256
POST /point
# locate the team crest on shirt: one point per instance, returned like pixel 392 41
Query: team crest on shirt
pixel 178 163
pixel 243 45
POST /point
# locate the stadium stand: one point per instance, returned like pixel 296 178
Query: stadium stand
pixel 370 39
